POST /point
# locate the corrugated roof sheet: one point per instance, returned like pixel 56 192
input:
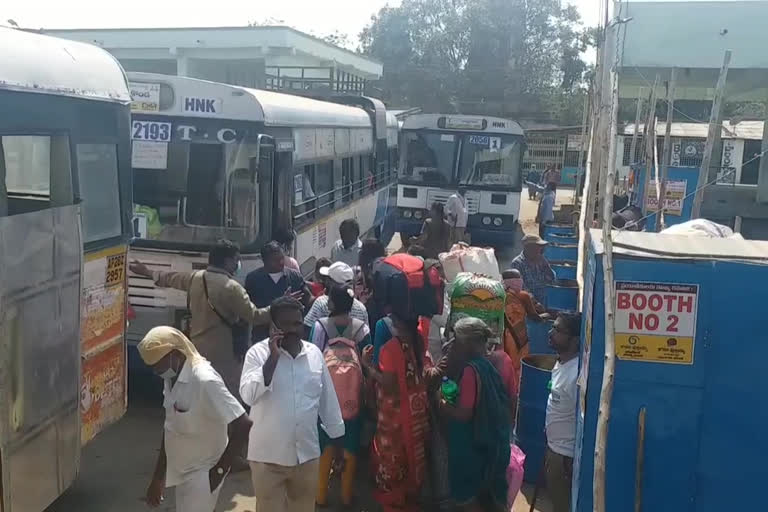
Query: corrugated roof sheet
pixel 662 246
pixel 752 130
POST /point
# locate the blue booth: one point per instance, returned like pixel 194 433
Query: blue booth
pixel 681 187
pixel 690 369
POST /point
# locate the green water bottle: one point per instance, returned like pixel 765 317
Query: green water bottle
pixel 449 390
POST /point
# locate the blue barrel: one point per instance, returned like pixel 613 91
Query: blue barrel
pixel 564 269
pixel 532 411
pixel 560 229
pixel 538 336
pixel 568 252
pixel 557 238
pixel 563 294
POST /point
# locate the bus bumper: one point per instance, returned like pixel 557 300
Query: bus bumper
pixel 496 237
pixel 409 227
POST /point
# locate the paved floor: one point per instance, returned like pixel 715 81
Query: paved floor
pixel 117 465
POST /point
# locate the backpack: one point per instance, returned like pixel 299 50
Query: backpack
pixel 344 366
pixel 408 286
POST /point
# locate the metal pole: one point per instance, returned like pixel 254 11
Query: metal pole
pixel 650 140
pixel 580 169
pixel 717 103
pixel 667 148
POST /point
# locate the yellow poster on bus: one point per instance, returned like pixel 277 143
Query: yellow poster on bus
pixel 103 391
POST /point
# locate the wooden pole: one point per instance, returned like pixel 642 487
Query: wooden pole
pixel 580 169
pixel 656 176
pixel 714 125
pixel 649 132
pixel 633 147
pixel 640 460
pixel 667 148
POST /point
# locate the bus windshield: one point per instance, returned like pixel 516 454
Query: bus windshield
pixel 196 192
pixel 430 156
pixel 490 160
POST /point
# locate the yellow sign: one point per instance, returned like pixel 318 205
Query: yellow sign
pixel 655 349
pixel 656 322
pixel 115 269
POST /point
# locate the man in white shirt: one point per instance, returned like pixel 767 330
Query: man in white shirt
pixel 205 426
pixel 341 274
pixel 456 209
pixel 561 410
pixel 347 248
pixel 287 384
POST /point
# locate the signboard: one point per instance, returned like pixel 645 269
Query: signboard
pixel 656 322
pixel 464 123
pixel 675 196
pixel 145 97
pixel 733 156
pixel 574 143
pixel 200 105
pixel 102 392
pixel 494 144
pixel 149 155
pixel 479 140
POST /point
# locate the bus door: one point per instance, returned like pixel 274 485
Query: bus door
pixel 282 195
pixel 40 262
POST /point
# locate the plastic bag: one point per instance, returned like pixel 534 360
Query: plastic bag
pixel 514 474
pixel 477 296
pixel 463 258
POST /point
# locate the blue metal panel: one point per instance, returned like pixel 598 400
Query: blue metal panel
pixel 560 238
pixel 564 269
pixel 563 229
pixel 690 175
pixel 562 252
pixel 562 295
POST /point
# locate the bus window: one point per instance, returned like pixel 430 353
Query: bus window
pixel 490 160
pixel 99 190
pixel 347 168
pixel 27 164
pixel 205 185
pixel 429 157
pixel 324 186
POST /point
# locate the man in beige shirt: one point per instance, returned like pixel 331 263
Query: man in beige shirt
pixel 210 334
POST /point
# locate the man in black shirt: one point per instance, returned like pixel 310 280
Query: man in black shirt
pixel 274 280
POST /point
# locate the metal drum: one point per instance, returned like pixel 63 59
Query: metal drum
pixel 538 336
pixel 560 229
pixel 564 269
pixel 532 411
pixel 563 294
pixel 567 252
pixel 562 239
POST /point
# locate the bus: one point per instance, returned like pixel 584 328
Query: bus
pixel 213 160
pixel 65 221
pixel 442 152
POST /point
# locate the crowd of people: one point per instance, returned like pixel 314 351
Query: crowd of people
pixel 328 372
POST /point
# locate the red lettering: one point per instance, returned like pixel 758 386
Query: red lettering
pixel 670 302
pixel 673 320
pixel 635 320
pixel 639 301
pixel 685 304
pixel 655 302
pixel 651 322
pixel 622 300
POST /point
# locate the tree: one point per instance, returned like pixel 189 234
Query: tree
pixel 503 57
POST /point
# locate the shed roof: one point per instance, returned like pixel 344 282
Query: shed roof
pixel 49 65
pixel 664 246
pixel 752 130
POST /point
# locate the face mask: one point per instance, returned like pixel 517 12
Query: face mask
pixel 239 267
pixel 514 283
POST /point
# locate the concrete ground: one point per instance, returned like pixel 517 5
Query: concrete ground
pixel 116 467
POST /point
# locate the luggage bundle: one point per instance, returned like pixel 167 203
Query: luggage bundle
pixel 408 286
pixel 478 296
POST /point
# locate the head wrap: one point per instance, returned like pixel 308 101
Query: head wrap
pixel 162 340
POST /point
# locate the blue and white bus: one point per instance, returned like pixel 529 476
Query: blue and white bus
pixel 440 152
pixel 213 160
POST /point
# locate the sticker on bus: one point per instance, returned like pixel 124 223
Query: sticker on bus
pixel 151 130
pixel 479 140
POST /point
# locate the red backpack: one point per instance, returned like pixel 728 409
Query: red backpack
pixel 344 365
pixel 408 286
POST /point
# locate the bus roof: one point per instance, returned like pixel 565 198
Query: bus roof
pixel 32 62
pixel 241 103
pixel 462 123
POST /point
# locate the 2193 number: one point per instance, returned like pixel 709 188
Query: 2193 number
pixel 152 131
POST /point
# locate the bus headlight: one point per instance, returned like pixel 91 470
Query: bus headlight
pixel 497 221
pixel 486 221
pixel 418 214
pixel 407 214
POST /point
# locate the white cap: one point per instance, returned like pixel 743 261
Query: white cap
pixel 339 272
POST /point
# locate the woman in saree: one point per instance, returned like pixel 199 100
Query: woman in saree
pixel 402 428
pixel 478 424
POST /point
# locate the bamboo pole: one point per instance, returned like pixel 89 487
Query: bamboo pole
pixel 649 132
pixel 656 176
pixel 640 460
pixel 609 364
pixel 633 147
pixel 667 149
pixel 714 125
pixel 580 169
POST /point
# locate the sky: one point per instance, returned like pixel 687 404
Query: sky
pixel 318 17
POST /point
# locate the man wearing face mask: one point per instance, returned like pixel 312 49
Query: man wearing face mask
pixel 216 303
pixel 519 306
pixel 274 280
pixel 205 426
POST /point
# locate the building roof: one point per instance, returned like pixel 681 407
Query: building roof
pixel 664 246
pixel 42 64
pixel 271 108
pixel 205 40
pixel 751 130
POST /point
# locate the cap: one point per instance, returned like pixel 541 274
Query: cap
pixel 339 272
pixel 533 239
